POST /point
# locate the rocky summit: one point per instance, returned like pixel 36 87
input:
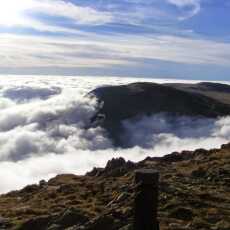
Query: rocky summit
pixel 194 193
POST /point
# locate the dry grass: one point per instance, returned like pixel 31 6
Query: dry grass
pixel 194 192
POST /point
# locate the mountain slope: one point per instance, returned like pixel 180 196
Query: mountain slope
pixel 125 101
pixel 208 100
pixel 217 91
pixel 194 194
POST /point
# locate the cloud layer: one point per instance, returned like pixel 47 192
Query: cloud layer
pixel 43 131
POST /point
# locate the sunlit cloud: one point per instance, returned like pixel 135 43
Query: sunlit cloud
pixel 12 12
pixel 20 13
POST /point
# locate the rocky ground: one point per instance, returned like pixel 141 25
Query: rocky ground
pixel 194 194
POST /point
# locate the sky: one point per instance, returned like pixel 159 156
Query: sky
pixel 183 39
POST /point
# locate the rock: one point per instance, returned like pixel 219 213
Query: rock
pixel 213 219
pixel 225 146
pixel 100 223
pixel 198 173
pixel 177 226
pixel 71 217
pixel 182 214
pixel 2 220
pixel 227 181
pixel 4 223
pixel 224 172
pixel 30 188
pixel 55 227
pixel 127 227
pixel 117 167
pixel 202 152
pixel 42 183
pixel 123 196
pixel 114 167
pixel 199 223
pixel 95 172
pixel 222 225
pixel 173 157
pixel 103 222
pixel 38 223
pixel 66 189
pixel 115 163
pixel 76 228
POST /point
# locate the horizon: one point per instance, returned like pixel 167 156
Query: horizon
pixel 159 80
pixel 181 39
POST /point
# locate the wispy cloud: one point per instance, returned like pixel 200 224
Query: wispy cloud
pixel 104 51
pixel 103 34
pixel 129 12
pixel 80 14
pixel 190 7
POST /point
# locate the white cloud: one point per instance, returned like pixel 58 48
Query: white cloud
pixel 41 138
pixel 106 51
pixel 81 15
pixel 15 13
pixel 21 14
pixel 194 7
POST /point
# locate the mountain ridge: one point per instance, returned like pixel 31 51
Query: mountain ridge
pixel 118 103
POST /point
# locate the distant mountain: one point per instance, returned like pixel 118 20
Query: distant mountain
pixel 126 101
pixel 217 91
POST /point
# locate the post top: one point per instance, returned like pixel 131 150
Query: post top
pixel 146 176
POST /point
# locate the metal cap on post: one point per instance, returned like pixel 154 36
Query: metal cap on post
pixel 146 200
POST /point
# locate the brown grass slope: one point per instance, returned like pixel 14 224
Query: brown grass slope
pixel 194 194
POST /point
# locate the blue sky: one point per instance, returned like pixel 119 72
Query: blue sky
pixel 187 39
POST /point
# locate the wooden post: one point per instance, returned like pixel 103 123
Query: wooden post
pixel 146 200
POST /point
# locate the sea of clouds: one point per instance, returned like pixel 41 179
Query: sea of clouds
pixel 44 130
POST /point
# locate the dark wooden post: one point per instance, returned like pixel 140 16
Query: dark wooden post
pixel 146 200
